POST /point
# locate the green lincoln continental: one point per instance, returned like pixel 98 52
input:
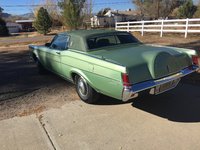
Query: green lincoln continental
pixel 114 63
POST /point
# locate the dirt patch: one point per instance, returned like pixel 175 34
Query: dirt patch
pixel 177 40
pixel 36 111
pixel 23 91
pixel 22 41
pixel 37 101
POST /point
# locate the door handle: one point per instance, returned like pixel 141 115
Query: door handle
pixel 58 53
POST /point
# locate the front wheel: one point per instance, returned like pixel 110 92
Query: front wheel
pixel 85 91
pixel 41 69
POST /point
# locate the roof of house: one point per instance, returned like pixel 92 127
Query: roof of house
pixel 132 12
pixel 9 24
pixel 23 21
pixel 125 13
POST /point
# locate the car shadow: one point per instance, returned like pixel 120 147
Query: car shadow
pixel 181 104
pixel 19 74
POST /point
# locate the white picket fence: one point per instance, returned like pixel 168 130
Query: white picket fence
pixel 162 26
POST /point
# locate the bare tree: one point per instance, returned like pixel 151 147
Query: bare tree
pixel 88 8
pixel 140 6
pixel 72 12
pixel 197 13
pixel 157 8
pixel 52 8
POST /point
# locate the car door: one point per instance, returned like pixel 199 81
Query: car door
pixel 58 44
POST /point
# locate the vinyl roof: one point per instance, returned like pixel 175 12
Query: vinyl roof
pixel 86 33
pixel 78 38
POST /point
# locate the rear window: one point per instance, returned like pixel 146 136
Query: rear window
pixel 126 38
pixel 110 40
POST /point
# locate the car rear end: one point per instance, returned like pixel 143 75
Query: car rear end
pixel 147 67
pixel 157 86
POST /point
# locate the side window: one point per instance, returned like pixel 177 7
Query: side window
pixel 60 42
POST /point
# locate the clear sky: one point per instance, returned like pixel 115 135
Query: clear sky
pixel 98 4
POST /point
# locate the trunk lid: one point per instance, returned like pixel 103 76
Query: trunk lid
pixel 145 62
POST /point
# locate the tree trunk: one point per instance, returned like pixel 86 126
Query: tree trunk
pixel 158 9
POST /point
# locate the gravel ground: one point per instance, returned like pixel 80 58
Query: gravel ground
pixel 15 41
pixel 177 40
pixel 23 91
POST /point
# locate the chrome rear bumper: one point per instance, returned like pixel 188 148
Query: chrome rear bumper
pixel 130 92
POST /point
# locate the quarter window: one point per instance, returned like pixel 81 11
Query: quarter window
pixel 60 42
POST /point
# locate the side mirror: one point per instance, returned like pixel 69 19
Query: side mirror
pixel 48 44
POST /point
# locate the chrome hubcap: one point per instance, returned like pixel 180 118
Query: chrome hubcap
pixel 82 87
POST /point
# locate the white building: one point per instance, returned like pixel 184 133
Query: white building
pixel 13 27
pixel 102 21
pixel 111 17
pixel 26 25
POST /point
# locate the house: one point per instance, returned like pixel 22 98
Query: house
pixel 112 16
pixel 127 15
pixel 102 21
pixel 27 25
pixel 13 27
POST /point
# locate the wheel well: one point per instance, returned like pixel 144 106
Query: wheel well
pixel 34 57
pixel 73 75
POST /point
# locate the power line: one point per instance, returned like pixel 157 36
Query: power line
pixel 108 3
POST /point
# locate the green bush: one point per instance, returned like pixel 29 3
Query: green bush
pixel 187 10
pixel 3 29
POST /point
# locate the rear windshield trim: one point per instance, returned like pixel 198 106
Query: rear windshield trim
pixel 104 42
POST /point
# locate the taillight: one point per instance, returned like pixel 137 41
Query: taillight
pixel 196 60
pixel 125 79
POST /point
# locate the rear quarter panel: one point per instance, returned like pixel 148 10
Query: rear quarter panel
pixel 104 77
pixel 189 52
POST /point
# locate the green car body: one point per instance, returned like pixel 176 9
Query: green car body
pixel 103 67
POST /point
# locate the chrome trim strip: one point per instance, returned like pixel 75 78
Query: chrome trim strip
pixel 134 89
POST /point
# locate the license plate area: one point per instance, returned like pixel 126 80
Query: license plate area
pixel 166 86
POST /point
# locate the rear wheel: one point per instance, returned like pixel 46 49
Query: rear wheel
pixel 85 91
